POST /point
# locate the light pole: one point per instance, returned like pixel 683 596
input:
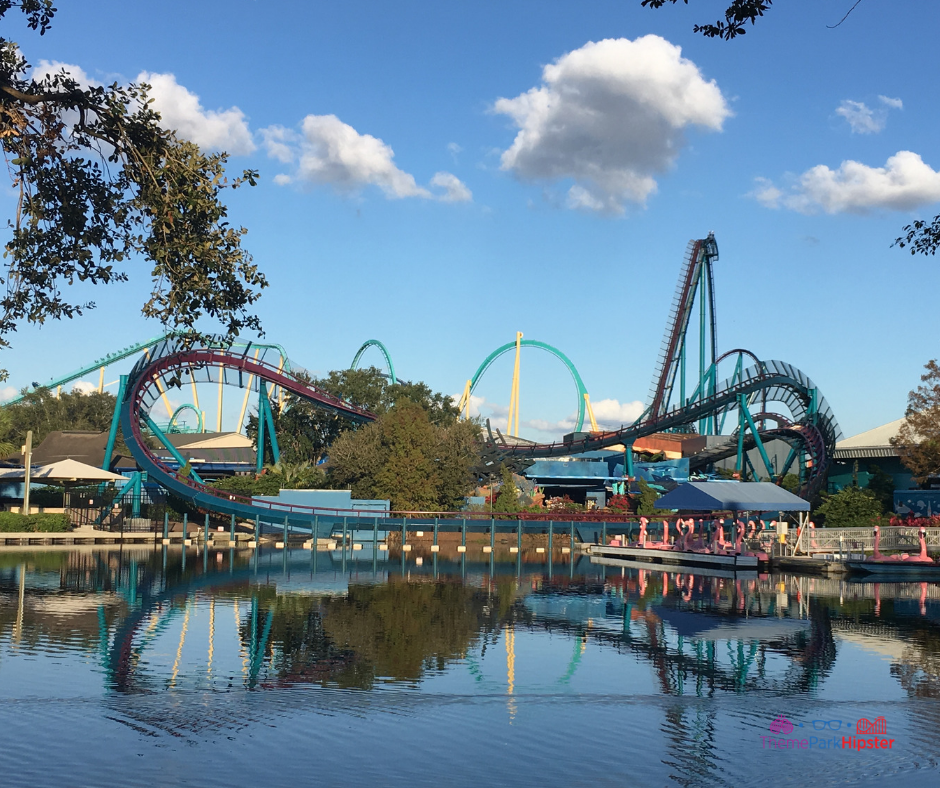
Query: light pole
pixel 27 462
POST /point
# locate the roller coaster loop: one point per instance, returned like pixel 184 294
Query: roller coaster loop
pixel 388 358
pixel 174 427
pixel 169 361
pixel 509 346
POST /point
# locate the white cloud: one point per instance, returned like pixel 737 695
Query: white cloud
pixel 280 143
pixel 281 179
pixel 179 108
pixel 610 414
pixel 7 393
pixel 455 190
pixel 182 110
pixel 453 148
pixel 47 68
pixel 904 183
pixel 861 119
pixel 83 387
pixel 332 153
pixel 766 193
pixel 610 116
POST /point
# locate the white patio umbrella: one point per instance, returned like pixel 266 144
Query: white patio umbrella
pixel 61 471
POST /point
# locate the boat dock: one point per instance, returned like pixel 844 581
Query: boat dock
pixel 659 558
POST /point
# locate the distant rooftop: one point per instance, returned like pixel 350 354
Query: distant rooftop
pixel 871 443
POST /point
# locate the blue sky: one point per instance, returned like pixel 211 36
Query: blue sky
pixel 442 175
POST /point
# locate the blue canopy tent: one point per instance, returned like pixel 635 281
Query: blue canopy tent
pixel 732 496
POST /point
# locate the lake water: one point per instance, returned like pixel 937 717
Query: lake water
pixel 274 668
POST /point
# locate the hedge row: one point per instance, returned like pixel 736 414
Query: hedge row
pixel 13 522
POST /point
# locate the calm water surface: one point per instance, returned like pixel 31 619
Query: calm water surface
pixel 274 668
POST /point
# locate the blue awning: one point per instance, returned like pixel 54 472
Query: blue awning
pixel 733 496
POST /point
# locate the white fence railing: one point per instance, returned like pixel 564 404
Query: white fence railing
pixel 835 540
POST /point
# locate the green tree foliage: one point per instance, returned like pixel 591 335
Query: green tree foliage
pixel 646 500
pixel 404 457
pixel 283 475
pixel 101 182
pixel 918 440
pixel 882 485
pixel 305 432
pixel 737 14
pixel 851 507
pixel 42 412
pixel 507 500
pixel 790 482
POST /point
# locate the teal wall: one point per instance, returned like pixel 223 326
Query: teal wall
pixel 840 475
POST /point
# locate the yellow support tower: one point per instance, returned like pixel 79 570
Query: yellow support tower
pixel 464 405
pixel 590 411
pixel 514 395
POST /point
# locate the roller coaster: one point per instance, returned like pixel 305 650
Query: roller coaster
pixel 809 428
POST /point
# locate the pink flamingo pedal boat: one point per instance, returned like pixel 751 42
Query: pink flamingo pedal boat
pixel 899 564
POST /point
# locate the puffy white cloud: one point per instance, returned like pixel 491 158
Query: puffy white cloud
pixel 861 118
pixel 334 153
pixel 330 152
pixel 179 108
pixel 612 414
pixel 7 393
pixel 894 103
pixel 83 387
pixel 182 110
pixel 904 183
pixel 46 68
pixel 610 115
pixel 455 190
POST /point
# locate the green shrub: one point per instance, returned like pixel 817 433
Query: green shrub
pixel 13 522
pixel 49 523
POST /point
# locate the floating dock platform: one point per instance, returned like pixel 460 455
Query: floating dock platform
pixel 657 559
